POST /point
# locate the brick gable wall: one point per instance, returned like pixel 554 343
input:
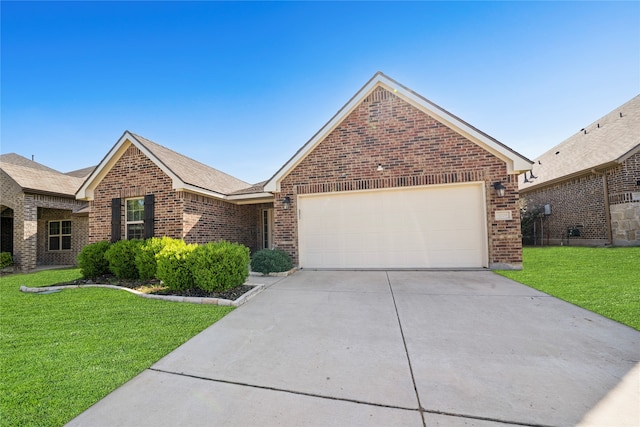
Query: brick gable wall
pixel 135 175
pixel 181 215
pixel 414 149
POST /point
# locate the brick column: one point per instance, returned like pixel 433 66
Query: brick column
pixel 26 234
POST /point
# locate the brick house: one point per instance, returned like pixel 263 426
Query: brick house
pixel 590 184
pixel 391 181
pixel 42 223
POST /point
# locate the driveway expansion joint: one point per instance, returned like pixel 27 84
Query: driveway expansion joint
pixel 406 351
pixel 300 393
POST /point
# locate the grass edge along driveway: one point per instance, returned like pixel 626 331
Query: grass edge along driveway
pixel 603 280
pixel 62 352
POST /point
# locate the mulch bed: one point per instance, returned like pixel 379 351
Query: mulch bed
pixel 231 294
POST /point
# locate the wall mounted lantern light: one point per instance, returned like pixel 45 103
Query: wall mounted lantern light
pixel 286 202
pixel 380 168
pixel 500 189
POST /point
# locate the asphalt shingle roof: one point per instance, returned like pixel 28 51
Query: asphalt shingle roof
pixel 34 177
pixel 191 171
pixel 603 142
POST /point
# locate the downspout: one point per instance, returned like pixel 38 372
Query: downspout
pixel 607 210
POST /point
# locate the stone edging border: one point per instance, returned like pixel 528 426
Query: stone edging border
pixel 193 300
pixel 282 274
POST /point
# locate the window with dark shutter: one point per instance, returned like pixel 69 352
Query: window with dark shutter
pixel 148 215
pixel 116 220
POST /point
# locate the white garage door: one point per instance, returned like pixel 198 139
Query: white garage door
pixel 418 227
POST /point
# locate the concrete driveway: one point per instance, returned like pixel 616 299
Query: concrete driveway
pixel 396 348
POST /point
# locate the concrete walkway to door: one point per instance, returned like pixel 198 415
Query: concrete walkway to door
pixel 396 348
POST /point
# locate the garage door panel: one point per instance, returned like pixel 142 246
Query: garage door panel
pixel 427 227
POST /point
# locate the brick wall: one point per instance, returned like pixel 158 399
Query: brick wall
pixel 79 237
pixel 207 220
pixel 576 203
pixel 181 215
pixel 624 179
pixel 580 203
pixel 414 149
pixel 135 175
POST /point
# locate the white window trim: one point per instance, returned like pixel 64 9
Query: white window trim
pixel 126 218
pixel 61 235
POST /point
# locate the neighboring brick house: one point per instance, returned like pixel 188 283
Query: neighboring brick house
pixel 42 223
pixel 590 184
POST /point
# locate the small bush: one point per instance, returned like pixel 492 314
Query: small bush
pixel 270 261
pixel 91 260
pixel 5 259
pixel 173 265
pixel 220 266
pixel 122 258
pixel 146 257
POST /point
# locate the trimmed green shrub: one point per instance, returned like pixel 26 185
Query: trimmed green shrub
pixel 271 261
pixel 5 259
pixel 219 266
pixel 91 260
pixel 122 258
pixel 173 265
pixel 146 257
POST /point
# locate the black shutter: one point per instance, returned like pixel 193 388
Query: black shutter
pixel 148 215
pixel 116 220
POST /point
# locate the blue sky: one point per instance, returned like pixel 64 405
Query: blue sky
pixel 241 86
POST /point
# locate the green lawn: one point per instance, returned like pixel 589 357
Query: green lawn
pixel 603 280
pixel 62 352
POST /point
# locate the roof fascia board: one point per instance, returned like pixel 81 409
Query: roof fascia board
pixel 126 140
pixel 251 197
pixel 628 154
pixel 241 199
pixel 200 191
pixel 47 193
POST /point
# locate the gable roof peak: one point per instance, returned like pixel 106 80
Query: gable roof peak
pixel 186 173
pixel 515 162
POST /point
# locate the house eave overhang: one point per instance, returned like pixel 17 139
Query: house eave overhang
pixel 47 193
pixel 252 198
pixel 238 199
pixel 86 191
pixel 515 162
pixel 583 172
pixel 198 190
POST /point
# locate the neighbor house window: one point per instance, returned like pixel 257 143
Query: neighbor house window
pixel 135 218
pixel 59 235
